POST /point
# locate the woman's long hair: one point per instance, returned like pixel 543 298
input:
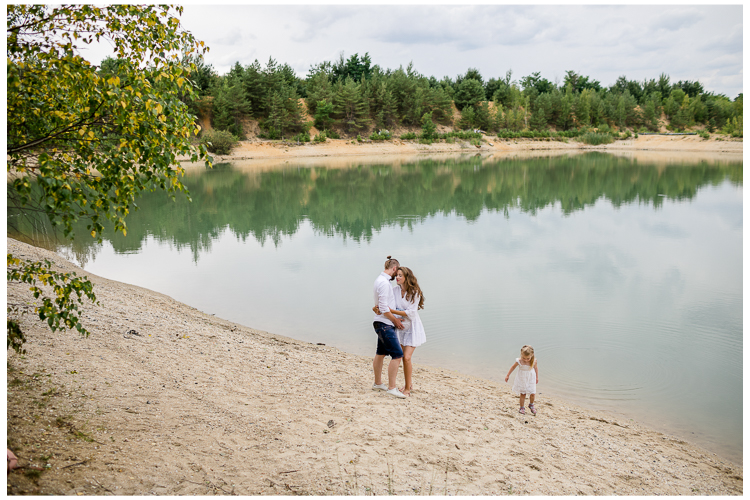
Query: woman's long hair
pixel 412 286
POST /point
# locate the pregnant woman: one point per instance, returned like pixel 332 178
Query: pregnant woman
pixel 409 299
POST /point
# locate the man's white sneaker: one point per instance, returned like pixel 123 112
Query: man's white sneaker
pixel 395 392
pixel 381 387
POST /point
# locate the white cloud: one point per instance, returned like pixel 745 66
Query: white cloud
pixel 687 42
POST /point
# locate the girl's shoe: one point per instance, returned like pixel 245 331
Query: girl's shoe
pixel 522 410
pixel 533 410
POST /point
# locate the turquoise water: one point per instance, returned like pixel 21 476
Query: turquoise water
pixel 626 277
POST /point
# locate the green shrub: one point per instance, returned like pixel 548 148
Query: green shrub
pixel 595 138
pixel 570 133
pixel 461 134
pixel 381 135
pixel 409 136
pixel 429 131
pixel 505 133
pixel 302 137
pixel 219 142
pixel 321 137
pixel 332 134
pixel 705 135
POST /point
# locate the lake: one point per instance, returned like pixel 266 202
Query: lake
pixel 625 275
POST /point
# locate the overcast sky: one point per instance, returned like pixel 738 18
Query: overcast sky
pixel 687 42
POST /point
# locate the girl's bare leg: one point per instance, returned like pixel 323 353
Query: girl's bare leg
pixel 531 399
pixel 408 351
pixel 523 399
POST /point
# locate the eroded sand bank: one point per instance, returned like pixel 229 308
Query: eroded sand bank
pixel 339 152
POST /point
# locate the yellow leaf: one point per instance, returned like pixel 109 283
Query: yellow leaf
pixel 93 234
pixel 124 232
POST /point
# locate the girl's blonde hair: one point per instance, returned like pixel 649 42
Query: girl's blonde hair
pixel 412 286
pixel 527 350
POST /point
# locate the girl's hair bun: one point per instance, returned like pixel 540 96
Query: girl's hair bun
pixel 389 257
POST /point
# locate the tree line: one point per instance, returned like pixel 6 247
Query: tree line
pixel 352 96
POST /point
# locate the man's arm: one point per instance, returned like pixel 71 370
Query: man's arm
pixel 396 322
pixel 383 289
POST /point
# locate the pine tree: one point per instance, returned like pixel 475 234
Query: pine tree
pixel 230 106
pixel 482 115
pixel 350 107
pixel 319 89
pixel 441 105
pixel 284 112
pixel 583 108
pixel 469 92
pixel 538 119
pixel 383 104
pixel 620 112
pixel 468 117
pixel 649 115
pixel 323 110
pixel 429 131
pixel 252 82
pixel 565 119
pixel 498 121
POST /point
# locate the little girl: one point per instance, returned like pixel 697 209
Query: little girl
pixel 526 379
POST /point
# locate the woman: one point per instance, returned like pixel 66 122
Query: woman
pixel 409 299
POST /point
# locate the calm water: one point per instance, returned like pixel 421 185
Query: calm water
pixel 625 276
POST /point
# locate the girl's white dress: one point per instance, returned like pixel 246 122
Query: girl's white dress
pixel 412 335
pixel 525 382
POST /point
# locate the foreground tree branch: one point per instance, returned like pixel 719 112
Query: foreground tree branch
pixel 83 141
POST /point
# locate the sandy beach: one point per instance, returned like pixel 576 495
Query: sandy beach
pixel 191 404
pixel 342 151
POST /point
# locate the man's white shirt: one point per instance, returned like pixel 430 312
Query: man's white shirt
pixel 384 298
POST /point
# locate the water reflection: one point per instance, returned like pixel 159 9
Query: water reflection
pixel 355 203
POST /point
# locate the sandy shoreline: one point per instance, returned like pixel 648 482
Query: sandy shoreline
pixel 343 152
pixel 198 405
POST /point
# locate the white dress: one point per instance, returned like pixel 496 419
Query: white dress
pixel 525 382
pixel 412 335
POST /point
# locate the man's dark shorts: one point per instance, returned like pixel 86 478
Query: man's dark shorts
pixel 387 341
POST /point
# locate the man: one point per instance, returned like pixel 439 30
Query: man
pixel 385 325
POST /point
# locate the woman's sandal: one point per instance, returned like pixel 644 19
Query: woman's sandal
pixel 522 410
pixel 533 410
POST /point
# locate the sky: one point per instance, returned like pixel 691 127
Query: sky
pixel 687 42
